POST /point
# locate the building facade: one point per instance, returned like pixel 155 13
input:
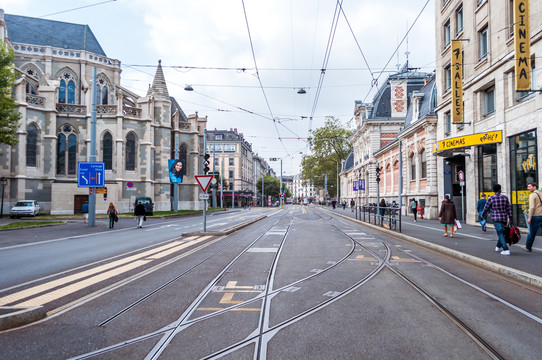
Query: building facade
pixel 135 134
pixel 499 139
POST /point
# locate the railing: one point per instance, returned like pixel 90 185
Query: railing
pixel 71 109
pixel 106 109
pixel 185 126
pixel 131 111
pixel 35 100
pixel 388 217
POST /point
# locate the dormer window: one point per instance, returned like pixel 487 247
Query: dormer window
pixel 219 136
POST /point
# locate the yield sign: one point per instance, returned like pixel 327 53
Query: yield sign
pixel 203 181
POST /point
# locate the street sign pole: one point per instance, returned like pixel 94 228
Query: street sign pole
pixel 92 198
pixel 205 201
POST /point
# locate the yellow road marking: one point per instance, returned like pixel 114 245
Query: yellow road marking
pixel 227 299
pixel 363 258
pixel 111 269
pixel 233 285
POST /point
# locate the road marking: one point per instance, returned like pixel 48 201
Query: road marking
pixel 227 299
pixel 332 293
pixel 263 250
pixel 363 258
pixel 94 275
pixel 398 259
pixel 236 309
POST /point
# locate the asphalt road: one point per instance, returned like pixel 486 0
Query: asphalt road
pixel 298 284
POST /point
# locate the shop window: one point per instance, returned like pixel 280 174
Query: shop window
pixel 523 169
pixel 487 167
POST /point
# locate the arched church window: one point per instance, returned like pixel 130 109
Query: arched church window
pixel 31 145
pixel 108 151
pixel 130 151
pixel 66 153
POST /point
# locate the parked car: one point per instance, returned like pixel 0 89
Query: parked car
pixel 147 202
pixel 25 208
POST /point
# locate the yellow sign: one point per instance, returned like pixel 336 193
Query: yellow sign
pixel 520 197
pixel 522 44
pixel 457 82
pixel 469 140
pixel 101 190
pixel 529 164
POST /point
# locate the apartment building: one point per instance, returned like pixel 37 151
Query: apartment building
pixel 496 140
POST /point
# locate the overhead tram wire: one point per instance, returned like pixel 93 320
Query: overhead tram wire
pixel 397 49
pixel 258 76
pixel 78 8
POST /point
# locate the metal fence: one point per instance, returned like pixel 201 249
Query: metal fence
pixel 387 217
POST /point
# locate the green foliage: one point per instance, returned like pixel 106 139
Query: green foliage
pixel 271 186
pixel 8 107
pixel 329 145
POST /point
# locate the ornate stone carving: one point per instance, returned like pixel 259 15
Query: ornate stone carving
pixel 71 109
pixel 35 100
pixel 131 111
pixel 106 109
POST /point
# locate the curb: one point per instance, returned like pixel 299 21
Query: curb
pixel 226 231
pixel 521 276
pixel 15 316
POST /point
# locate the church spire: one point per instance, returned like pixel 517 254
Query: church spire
pixel 159 86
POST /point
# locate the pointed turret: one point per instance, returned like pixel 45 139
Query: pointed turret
pixel 159 87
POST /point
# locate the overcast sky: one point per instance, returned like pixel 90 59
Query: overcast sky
pixel 206 44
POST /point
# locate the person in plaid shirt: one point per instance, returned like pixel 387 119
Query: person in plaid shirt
pixel 501 214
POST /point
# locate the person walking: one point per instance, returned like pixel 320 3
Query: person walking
pixel 139 213
pixel 447 215
pixel 535 214
pixel 382 207
pixel 352 204
pixel 84 210
pixel 479 208
pixel 112 212
pixel 414 208
pixel 501 214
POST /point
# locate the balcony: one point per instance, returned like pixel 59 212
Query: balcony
pixel 35 100
pixel 131 111
pixel 71 109
pixel 106 109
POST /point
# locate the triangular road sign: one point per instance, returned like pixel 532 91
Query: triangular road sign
pixel 203 181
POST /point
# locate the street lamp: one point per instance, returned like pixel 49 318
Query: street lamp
pixel 188 88
pixel 4 183
pixel 280 189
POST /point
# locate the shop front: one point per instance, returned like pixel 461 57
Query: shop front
pixel 523 169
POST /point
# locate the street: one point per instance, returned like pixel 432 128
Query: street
pixel 298 283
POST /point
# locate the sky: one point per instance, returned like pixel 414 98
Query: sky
pixel 247 59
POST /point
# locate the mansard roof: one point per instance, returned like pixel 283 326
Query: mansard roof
pixel 349 163
pixel 427 107
pixel 43 32
pixel 227 136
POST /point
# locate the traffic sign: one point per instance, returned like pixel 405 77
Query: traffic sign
pixel 130 184
pixel 90 174
pixel 204 196
pixel 203 181
pixel 461 175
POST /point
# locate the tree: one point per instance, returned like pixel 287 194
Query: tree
pixel 8 107
pixel 271 186
pixel 329 145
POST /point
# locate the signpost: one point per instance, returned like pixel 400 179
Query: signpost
pixel 203 182
pixel 90 174
pixel 461 176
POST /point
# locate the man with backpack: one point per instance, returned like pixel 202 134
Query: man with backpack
pixel 535 214
pixel 501 214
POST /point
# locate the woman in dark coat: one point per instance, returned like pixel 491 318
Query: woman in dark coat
pixel 447 215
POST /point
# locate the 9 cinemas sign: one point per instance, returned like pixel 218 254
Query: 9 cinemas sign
pixel 457 82
pixel 522 45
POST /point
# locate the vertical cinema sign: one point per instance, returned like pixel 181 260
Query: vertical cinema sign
pixel 457 82
pixel 522 45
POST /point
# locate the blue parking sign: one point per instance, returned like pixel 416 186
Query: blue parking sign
pixel 90 174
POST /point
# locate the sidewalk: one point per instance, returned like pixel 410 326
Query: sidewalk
pixel 470 243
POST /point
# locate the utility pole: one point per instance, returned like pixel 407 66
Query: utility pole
pixel 214 185
pixel 92 158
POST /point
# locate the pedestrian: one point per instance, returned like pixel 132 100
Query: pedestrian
pixel 344 204
pixel 501 214
pixel 535 214
pixel 480 208
pixel 447 215
pixel 112 211
pixel 414 208
pixel 140 213
pixel 352 204
pixel 382 206
pixel 84 210
pixel 334 203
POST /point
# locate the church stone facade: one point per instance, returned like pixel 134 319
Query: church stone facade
pixel 135 137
